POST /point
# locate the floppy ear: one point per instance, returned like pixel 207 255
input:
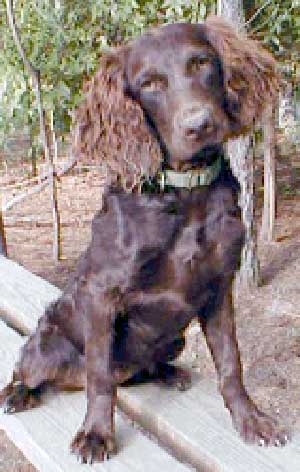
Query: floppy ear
pixel 110 127
pixel 250 75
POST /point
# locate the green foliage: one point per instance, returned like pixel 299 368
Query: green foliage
pixel 63 39
pixel 278 26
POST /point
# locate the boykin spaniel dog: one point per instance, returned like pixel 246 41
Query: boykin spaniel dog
pixel 167 243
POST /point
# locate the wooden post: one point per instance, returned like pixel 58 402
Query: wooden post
pixel 3 245
pixel 57 252
pixel 268 217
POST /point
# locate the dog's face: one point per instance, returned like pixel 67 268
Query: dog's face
pixel 177 77
pixel 196 84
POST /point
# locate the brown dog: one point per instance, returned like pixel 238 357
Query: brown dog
pixel 167 254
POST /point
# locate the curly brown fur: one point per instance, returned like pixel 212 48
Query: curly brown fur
pixel 111 129
pixel 251 74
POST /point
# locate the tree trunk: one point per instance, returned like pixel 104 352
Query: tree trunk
pixel 240 153
pixel 233 11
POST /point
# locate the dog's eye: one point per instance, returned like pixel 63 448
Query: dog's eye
pixel 155 84
pixel 196 63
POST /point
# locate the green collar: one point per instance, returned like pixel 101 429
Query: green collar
pixel 191 178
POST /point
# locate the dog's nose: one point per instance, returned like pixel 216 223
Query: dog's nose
pixel 196 123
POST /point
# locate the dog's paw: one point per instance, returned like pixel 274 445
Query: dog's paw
pixel 17 397
pixel 4 393
pixel 256 427
pixel 175 377
pixel 92 447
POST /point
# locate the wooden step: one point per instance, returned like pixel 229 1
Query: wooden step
pixel 193 424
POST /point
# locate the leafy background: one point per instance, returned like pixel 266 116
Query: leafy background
pixel 64 39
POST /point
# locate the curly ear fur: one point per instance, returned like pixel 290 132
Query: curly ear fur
pixel 110 127
pixel 250 74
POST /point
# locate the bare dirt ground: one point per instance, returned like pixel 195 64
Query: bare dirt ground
pixel 268 318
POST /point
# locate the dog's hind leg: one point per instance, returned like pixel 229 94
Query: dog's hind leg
pixel 161 370
pixel 169 374
pixel 47 357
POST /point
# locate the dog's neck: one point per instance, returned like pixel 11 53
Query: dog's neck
pixel 195 177
pixel 201 170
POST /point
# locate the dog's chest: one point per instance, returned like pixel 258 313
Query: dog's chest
pixel 190 260
pixel 191 279
pixel 188 249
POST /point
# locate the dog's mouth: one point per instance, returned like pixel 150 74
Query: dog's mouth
pixel 202 158
pixel 206 155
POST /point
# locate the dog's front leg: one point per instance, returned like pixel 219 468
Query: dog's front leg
pixel 219 329
pixel 95 440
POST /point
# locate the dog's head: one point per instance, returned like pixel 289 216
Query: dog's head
pixel 178 90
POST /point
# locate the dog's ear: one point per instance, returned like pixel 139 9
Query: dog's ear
pixel 110 127
pixel 250 75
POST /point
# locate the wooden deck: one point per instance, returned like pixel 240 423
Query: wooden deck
pixel 194 427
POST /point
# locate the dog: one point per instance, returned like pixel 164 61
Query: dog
pixel 167 243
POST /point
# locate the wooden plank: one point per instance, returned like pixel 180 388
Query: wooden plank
pixel 194 424
pixel 23 295
pixel 44 434
pixel 197 426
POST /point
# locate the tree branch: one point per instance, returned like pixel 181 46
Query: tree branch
pixel 35 74
pixel 15 32
pixel 257 12
pixel 39 187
